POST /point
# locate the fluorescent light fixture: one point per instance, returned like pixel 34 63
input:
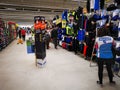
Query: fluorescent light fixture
pixel 10 9
pixel 79 0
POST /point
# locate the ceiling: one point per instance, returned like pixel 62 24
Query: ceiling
pixel 23 11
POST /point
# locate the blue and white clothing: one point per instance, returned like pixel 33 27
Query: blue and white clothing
pixel 92 3
pixel 96 4
pixel 104 47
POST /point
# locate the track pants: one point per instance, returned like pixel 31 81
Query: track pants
pixel 108 64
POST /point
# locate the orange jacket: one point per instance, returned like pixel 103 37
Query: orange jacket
pixel 39 25
pixel 43 26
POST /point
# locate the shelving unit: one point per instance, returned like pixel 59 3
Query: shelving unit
pixel 7 33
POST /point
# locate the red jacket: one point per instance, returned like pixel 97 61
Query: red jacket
pixel 23 32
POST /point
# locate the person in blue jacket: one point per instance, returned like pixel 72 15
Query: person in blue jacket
pixel 104 43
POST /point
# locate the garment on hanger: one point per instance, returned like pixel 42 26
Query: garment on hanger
pixel 69 30
pixel 88 6
pixel 64 31
pixel 113 30
pixel 43 26
pixel 68 40
pixel 60 36
pixel 59 30
pixel 81 35
pixel 103 13
pixel 64 15
pixel 64 45
pixel 85 50
pixel 75 27
pixel 79 12
pixel 111 7
pixel 92 2
pixel 81 21
pixel 115 15
pixel 90 27
pixel 101 23
pixel 97 5
pixel 102 3
pixel 96 16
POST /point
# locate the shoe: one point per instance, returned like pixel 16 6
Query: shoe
pixel 112 82
pixel 100 83
pixel 86 58
pixel 75 53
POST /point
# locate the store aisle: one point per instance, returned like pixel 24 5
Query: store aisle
pixel 64 71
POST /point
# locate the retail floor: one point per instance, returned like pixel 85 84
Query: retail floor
pixel 64 71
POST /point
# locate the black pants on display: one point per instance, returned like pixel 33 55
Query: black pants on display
pixel 108 64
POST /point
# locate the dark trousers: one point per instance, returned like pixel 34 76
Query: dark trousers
pixel 19 35
pixel 75 45
pixel 108 64
pixel 55 42
pixel 23 36
pixel 89 51
pixel 47 43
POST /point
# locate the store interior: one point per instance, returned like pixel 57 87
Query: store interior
pixel 28 63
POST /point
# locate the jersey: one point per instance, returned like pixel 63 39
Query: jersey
pixel 104 47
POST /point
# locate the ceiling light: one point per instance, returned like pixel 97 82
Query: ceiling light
pixel 10 9
pixel 79 0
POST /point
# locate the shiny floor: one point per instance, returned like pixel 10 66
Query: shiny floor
pixel 63 71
